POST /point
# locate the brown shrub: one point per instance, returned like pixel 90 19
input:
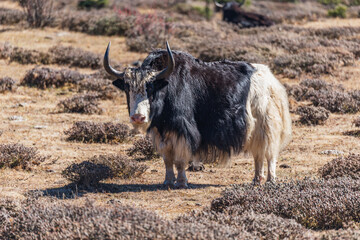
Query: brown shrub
pixel 49 219
pixel 11 16
pixel 335 101
pixel 311 115
pixel 7 85
pixel 262 226
pixel 82 103
pixel 341 234
pixel 25 56
pixel 143 149
pixel 91 132
pixel 328 96
pixel 75 57
pixel 342 167
pixel 46 78
pixel 316 204
pixel 39 13
pixel 19 156
pixel 103 87
pixel 149 32
pixel 97 168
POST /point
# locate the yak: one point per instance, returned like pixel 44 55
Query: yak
pixel 233 13
pixel 195 111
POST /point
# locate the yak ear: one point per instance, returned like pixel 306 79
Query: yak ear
pixel 119 83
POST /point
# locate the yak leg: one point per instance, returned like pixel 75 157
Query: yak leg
pixel 181 181
pixel 272 159
pixel 259 167
pixel 169 166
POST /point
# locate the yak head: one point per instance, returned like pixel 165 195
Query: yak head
pixel 140 84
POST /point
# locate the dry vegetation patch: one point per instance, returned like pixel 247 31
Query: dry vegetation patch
pixel 316 204
pixel 103 87
pixel 91 132
pixel 342 167
pixel 11 16
pixel 311 115
pixel 90 173
pixel 46 78
pixel 333 98
pixel 82 103
pixel 7 85
pixel 47 219
pixel 143 149
pixel 19 156
pixel 74 57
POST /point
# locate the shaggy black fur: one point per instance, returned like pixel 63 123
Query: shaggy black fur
pixel 234 14
pixel 203 102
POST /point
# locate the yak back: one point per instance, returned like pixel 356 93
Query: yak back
pixel 203 102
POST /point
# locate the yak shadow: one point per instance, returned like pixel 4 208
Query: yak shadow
pixel 73 190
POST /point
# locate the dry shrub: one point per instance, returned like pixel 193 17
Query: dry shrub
pixel 91 132
pixel 335 101
pixel 356 122
pixel 143 149
pixel 322 94
pixel 261 226
pixel 7 85
pixel 309 62
pixel 342 167
pixel 5 50
pixel 82 103
pixel 19 156
pixel 39 12
pixel 100 22
pixel 103 87
pixel 25 56
pixel 11 16
pixel 341 234
pixel 149 31
pixel 46 78
pixel 311 115
pixel 98 168
pixel 61 55
pixel 316 204
pixel 51 219
pixel 75 57
pixel 354 133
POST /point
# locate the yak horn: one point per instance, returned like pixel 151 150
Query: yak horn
pixel 170 65
pixel 219 5
pixel 107 66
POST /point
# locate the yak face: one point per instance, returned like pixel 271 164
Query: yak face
pixel 134 85
pixel 140 84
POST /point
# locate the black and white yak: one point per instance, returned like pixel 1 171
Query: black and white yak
pixel 233 13
pixel 195 110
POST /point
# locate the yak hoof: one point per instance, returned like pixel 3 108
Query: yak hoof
pixel 169 183
pixel 181 185
pixel 257 180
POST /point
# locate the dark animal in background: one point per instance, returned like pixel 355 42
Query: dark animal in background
pixel 233 13
pixel 194 110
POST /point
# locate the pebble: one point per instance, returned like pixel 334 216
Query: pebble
pixel 332 152
pixel 16 118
